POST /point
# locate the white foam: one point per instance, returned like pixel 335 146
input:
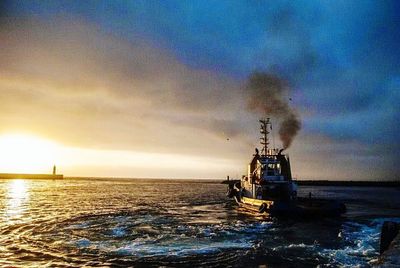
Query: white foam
pixel 83 243
pixel 118 231
pixel 363 240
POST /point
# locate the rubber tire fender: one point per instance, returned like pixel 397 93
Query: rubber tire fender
pixel 263 208
pixel 231 193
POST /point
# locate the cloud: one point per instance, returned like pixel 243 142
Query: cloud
pixel 168 78
pixel 320 157
pixel 68 79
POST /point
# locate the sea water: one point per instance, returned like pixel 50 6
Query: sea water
pixel 141 223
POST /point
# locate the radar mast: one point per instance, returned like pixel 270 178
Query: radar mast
pixel 264 135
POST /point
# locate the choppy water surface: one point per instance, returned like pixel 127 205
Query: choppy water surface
pixel 140 223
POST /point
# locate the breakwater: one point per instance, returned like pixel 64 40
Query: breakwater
pixel 31 176
pixel 390 245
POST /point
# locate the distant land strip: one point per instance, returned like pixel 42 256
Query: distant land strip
pixel 349 183
pixel 31 176
pixel 337 183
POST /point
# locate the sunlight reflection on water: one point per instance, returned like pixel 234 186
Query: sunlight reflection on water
pixel 17 196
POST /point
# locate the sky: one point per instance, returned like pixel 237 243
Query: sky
pixel 158 88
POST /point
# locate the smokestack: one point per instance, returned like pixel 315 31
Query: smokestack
pixel 268 96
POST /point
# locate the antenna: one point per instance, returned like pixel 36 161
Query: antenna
pixel 273 138
pixel 264 135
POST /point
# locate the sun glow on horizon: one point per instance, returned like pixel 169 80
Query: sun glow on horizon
pixel 22 153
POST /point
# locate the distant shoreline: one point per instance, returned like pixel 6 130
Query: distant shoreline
pixel 339 183
pixel 348 183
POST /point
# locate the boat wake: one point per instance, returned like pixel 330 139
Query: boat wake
pixel 146 238
pixel 143 237
pixel 360 243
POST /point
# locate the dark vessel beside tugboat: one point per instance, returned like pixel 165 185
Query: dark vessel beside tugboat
pixel 268 187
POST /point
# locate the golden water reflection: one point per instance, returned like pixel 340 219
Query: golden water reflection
pixel 17 196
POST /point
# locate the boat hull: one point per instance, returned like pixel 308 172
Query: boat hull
pixel 301 207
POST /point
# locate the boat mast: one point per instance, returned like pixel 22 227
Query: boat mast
pixel 264 135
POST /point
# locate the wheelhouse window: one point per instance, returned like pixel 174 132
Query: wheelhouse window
pixel 273 169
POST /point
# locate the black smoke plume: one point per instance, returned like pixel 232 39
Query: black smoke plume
pixel 268 96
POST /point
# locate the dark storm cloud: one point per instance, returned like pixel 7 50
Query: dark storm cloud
pixel 4 8
pixel 343 61
pixel 74 57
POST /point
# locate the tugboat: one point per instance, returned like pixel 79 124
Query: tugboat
pixel 268 187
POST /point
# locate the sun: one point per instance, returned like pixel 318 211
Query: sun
pixel 21 153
